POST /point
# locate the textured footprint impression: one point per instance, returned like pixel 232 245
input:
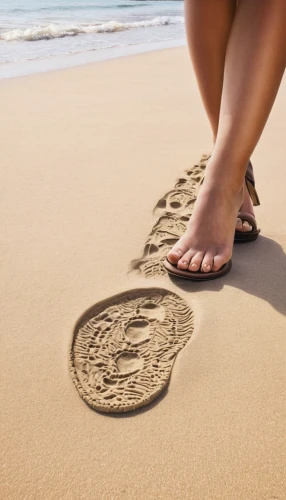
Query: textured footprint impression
pixel 194 176
pixel 163 236
pixel 175 210
pixel 124 348
pixel 177 201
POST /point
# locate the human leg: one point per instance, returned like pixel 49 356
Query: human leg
pixel 254 66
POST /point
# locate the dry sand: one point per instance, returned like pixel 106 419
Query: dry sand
pixel 85 155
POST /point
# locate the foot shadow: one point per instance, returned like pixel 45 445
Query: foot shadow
pixel 258 268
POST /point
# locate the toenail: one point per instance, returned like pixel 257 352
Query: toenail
pixel 207 266
pixel 193 265
pixel 178 251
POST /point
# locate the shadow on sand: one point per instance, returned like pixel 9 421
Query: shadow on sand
pixel 258 268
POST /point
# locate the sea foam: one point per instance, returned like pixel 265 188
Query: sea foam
pixel 59 31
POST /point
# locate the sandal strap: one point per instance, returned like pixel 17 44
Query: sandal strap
pixel 250 183
pixel 250 174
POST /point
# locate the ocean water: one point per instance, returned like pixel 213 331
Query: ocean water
pixel 51 31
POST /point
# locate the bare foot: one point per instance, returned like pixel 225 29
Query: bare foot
pixel 247 206
pixel 208 241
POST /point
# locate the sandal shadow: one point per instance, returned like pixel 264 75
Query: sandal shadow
pixel 259 269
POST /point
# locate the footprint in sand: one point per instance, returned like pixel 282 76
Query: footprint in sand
pixel 193 177
pixel 177 201
pixel 163 236
pixel 175 210
pixel 124 348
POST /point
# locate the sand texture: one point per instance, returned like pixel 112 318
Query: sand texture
pixel 124 348
pixel 86 155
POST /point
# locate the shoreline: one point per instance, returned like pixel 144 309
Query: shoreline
pixel 54 63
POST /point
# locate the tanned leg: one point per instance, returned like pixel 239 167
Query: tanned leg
pixel 208 25
pixel 254 66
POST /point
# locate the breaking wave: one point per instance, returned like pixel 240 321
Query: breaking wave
pixel 60 31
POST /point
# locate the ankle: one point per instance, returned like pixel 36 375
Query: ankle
pixel 223 186
pixel 228 174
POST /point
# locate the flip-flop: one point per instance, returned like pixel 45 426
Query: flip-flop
pixel 198 275
pixel 246 236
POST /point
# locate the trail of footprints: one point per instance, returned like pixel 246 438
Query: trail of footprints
pixel 123 348
pixel 174 210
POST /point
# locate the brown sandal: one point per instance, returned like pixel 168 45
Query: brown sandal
pixel 198 275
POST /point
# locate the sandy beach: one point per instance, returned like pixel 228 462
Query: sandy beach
pixel 86 154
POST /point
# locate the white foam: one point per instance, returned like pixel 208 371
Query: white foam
pixel 59 31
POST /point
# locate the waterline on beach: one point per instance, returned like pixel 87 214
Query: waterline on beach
pixel 43 65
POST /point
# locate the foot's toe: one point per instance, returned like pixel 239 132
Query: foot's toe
pixel 243 226
pixel 246 226
pixel 185 260
pixel 177 251
pixel 174 255
pixel 219 261
pixel 207 262
pixel 196 261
